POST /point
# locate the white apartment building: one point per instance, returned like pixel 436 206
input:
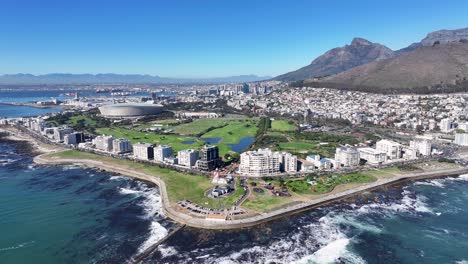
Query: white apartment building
pixel 392 148
pixel 289 162
pixel 187 157
pixel 143 151
pixel 423 147
pixel 261 162
pixel 104 143
pixel 461 139
pixel 162 152
pixel 347 156
pixel 121 145
pixel 60 132
pixel 373 156
pixel 445 125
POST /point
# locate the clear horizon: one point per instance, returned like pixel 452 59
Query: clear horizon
pixel 190 39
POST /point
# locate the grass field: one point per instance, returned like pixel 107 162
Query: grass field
pixel 175 141
pixel 301 148
pixel 282 125
pixel 264 202
pixel 326 184
pixel 201 126
pixel 179 186
pixel 234 131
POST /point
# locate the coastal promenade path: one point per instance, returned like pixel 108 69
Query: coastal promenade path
pixel 253 220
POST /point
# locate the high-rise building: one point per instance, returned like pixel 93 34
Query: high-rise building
pixel 143 151
pixel 289 162
pixel 209 158
pixel 74 138
pixel 121 145
pixel 347 156
pixel 60 132
pixel 262 162
pixel 461 139
pixel 445 125
pixel 372 156
pixel 187 157
pixel 422 146
pixel 162 152
pixel 104 143
pixel 393 149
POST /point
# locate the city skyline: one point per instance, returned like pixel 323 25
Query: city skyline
pixel 193 40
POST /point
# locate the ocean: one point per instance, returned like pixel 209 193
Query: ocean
pixel 70 214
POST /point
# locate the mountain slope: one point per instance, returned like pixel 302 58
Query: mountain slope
pixel 337 60
pixel 426 66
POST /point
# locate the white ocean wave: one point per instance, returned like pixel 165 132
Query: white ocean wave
pixel 129 191
pixel 436 183
pixel 156 233
pixel 16 246
pixel 118 177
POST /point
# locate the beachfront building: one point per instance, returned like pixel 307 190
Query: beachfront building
pixel 209 158
pixel 121 145
pixel 347 156
pixel 187 157
pixel 60 132
pixel 162 152
pixel 319 162
pixel 461 139
pixel 262 162
pixel 104 143
pixel 143 151
pixel 445 125
pixel 74 138
pixel 392 148
pixel 289 162
pixel 422 146
pixel 372 156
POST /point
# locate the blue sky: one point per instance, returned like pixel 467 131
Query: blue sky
pixel 204 38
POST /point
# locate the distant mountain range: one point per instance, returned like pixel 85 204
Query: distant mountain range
pixel 110 78
pixel 437 63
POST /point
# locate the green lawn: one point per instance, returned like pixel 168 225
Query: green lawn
pixel 73 121
pixel 265 202
pixel 234 131
pixel 327 183
pixel 201 126
pixel 135 136
pixel 301 148
pixel 282 125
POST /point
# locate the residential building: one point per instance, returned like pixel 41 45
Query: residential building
pixel 104 143
pixel 121 145
pixel 372 156
pixel 187 157
pixel 60 132
pixel 393 149
pixel 74 138
pixel 289 162
pixel 209 158
pixel 461 139
pixel 423 147
pixel 262 162
pixel 144 151
pixel 347 156
pixel 445 125
pixel 162 152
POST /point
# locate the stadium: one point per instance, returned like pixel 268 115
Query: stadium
pixel 129 110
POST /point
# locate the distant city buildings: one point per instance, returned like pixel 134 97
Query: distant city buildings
pixel 422 146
